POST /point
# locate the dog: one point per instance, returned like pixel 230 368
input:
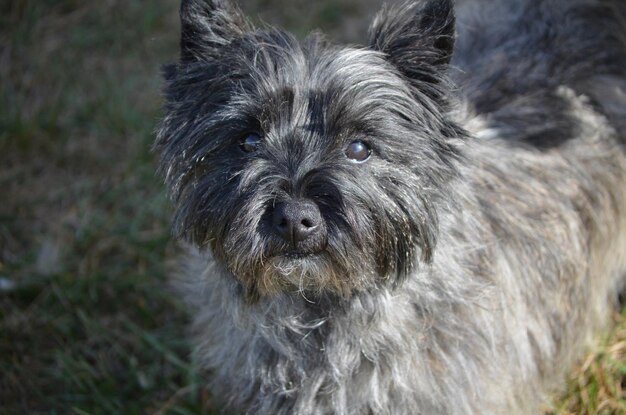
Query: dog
pixel 432 223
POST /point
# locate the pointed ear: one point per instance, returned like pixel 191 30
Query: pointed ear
pixel 416 36
pixel 208 25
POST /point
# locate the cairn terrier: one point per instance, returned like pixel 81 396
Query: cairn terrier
pixel 432 223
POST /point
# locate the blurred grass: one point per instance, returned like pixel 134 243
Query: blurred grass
pixel 598 385
pixel 87 324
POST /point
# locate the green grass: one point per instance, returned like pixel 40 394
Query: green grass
pixel 598 385
pixel 90 325
pixel 87 322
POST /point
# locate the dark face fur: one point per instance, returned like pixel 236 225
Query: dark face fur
pixel 307 166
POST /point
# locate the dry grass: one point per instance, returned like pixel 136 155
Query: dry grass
pixel 598 385
pixel 87 324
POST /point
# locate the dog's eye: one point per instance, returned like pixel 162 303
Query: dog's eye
pixel 358 151
pixel 250 142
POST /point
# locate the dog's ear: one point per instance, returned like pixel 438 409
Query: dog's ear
pixel 207 26
pixel 417 36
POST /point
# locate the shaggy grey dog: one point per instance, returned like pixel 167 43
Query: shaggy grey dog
pixel 408 227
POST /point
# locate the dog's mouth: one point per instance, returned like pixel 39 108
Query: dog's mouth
pixel 296 252
pixel 288 269
pixel 298 255
pixel 303 270
pixel 291 261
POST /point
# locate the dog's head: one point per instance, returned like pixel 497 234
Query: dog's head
pixel 307 166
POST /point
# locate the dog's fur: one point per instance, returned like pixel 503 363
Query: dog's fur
pixel 463 266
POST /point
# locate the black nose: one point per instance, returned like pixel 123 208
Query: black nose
pixel 297 220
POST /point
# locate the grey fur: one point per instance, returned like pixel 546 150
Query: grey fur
pixel 468 262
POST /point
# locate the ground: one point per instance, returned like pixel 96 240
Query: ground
pixel 87 322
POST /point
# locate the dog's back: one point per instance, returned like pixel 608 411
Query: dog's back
pixel 513 56
pixel 545 84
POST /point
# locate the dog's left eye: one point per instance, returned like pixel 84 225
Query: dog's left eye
pixel 250 142
pixel 358 151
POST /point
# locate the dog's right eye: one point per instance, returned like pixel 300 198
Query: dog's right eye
pixel 250 143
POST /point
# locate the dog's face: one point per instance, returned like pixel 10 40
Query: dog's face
pixel 308 166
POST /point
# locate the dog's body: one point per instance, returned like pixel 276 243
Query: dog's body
pixel 463 262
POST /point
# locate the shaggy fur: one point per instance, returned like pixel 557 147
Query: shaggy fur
pixel 463 266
